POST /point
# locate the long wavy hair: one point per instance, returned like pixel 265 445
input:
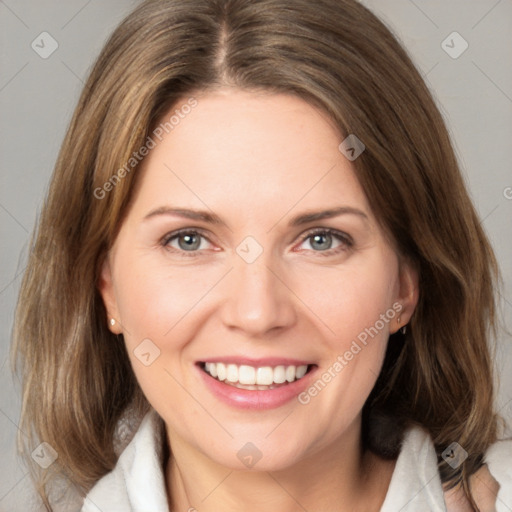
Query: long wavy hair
pixel 339 57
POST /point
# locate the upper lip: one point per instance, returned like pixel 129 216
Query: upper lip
pixel 257 362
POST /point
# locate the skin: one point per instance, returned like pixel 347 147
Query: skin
pixel 256 160
pixel 484 489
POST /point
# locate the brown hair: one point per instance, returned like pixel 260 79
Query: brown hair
pixel 338 56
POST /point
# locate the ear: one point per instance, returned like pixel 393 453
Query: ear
pixel 408 293
pixel 106 289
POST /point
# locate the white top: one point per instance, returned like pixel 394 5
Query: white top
pixel 137 482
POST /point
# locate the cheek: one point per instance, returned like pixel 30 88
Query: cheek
pixel 355 304
pixel 155 306
pixel 350 299
pixel 153 298
pixel 160 309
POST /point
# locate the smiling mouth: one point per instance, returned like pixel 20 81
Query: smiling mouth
pixel 255 378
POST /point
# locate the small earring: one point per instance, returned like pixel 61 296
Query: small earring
pixel 403 329
pixel 112 322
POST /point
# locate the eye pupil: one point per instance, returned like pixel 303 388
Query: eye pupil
pixel 319 238
pixel 192 241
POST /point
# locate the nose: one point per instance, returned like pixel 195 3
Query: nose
pixel 258 299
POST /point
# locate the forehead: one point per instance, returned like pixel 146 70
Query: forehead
pixel 259 152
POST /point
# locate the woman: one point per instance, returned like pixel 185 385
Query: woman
pixel 258 252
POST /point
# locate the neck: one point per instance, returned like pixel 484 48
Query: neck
pixel 339 477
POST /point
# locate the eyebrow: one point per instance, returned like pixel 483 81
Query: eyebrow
pixel 307 217
pixel 212 218
pixel 201 215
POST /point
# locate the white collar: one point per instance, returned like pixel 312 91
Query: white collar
pixel 415 484
pixel 137 482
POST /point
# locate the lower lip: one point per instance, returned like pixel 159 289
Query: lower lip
pixel 256 399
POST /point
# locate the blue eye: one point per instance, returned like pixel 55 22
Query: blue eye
pixel 187 241
pixel 321 240
pixel 190 242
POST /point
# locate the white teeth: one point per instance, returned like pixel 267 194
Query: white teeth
pixel 290 373
pixel 232 373
pixel 301 371
pixel 264 376
pixel 248 376
pixel 221 371
pixel 279 374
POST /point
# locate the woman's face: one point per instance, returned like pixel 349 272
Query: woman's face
pixel 250 246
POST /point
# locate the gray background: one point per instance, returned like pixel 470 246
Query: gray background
pixel 37 96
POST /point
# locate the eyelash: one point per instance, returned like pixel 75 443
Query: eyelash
pixel 345 240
